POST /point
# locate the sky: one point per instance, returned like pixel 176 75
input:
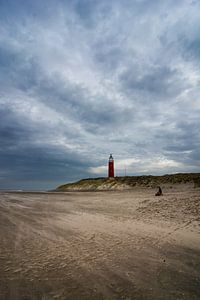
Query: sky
pixel 80 79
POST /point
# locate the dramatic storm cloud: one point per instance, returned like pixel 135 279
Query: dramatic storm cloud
pixel 81 79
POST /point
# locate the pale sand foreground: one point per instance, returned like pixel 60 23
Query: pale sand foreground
pixel 100 245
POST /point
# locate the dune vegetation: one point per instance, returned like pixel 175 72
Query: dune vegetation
pixel 129 182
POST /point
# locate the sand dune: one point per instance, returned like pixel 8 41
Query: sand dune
pixel 100 245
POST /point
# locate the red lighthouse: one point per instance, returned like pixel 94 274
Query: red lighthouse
pixel 111 166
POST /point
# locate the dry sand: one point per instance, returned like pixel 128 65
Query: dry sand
pixel 100 245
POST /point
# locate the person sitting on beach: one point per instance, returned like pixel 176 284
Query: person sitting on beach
pixel 159 193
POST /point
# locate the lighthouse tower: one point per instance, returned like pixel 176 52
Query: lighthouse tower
pixel 111 166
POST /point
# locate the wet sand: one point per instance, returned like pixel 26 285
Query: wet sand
pixel 100 245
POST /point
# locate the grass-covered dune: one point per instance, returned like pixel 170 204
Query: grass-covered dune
pixel 129 182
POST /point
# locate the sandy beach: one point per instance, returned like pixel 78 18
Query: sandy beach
pixel 100 245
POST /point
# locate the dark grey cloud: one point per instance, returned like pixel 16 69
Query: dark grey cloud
pixel 87 10
pixel 94 112
pixel 39 166
pixel 23 162
pixel 184 144
pixel 162 81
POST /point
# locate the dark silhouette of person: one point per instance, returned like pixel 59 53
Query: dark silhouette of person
pixel 159 193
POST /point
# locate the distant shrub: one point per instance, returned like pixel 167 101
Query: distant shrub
pixel 197 182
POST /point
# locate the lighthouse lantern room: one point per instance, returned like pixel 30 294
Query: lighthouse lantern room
pixel 111 166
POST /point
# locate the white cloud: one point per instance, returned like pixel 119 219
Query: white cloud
pixel 133 166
